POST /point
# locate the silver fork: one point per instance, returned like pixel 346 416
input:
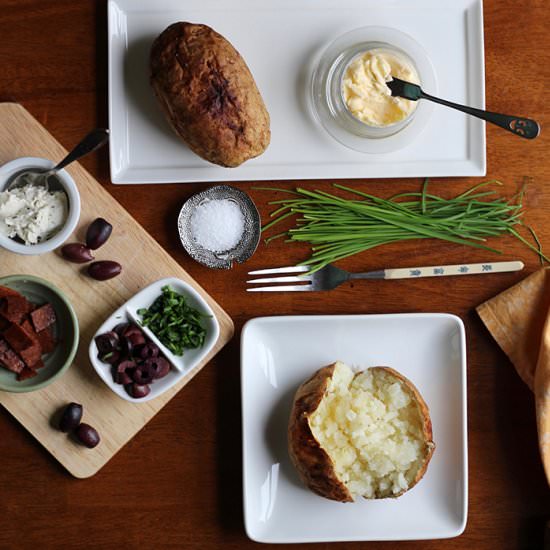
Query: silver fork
pixel 330 277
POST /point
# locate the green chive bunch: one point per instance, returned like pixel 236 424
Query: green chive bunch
pixel 337 227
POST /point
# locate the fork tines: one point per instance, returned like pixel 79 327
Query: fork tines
pixel 284 278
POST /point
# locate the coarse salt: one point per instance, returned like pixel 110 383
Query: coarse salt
pixel 217 225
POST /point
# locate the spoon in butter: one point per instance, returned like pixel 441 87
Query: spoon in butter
pixel 94 140
pixel 523 127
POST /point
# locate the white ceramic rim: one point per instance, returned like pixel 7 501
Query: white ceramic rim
pixel 69 185
pixel 422 114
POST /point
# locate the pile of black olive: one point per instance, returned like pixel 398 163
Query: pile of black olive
pixel 136 361
pixel 97 235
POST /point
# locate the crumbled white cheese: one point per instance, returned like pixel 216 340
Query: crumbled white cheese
pixel 32 213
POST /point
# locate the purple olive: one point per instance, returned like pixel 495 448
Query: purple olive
pixel 130 329
pixel 77 253
pixel 143 374
pixel 138 391
pixel 111 358
pixel 148 350
pixel 107 342
pixel 72 415
pixel 87 435
pixel 120 328
pixel 127 347
pixel 159 365
pixel 137 339
pixel 104 270
pixel 122 373
pixel 98 233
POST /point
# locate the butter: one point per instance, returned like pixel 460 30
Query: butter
pixel 32 213
pixel 366 94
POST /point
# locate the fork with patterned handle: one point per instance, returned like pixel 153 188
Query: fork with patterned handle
pixel 330 277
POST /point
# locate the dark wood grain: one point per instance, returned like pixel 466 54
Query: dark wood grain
pixel 178 483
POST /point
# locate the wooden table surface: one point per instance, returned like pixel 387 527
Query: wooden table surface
pixel 178 482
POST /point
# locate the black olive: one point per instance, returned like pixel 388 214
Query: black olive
pixel 107 342
pixel 98 233
pixel 159 365
pixel 72 415
pixel 138 391
pixel 87 435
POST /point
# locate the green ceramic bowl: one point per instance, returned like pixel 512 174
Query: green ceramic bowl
pixel 65 331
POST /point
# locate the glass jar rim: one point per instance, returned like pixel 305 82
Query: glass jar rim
pixel 379 140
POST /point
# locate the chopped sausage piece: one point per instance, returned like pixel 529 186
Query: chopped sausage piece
pixel 5 291
pixel 18 338
pixel 32 354
pixel 14 308
pixel 28 328
pixel 9 359
pixel 43 317
pixel 47 340
pixel 26 373
pixel 4 324
pixel 25 333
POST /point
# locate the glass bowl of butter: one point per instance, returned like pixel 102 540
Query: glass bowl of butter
pixel 350 97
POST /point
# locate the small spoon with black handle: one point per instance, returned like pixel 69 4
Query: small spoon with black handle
pixel 39 176
pixel 523 127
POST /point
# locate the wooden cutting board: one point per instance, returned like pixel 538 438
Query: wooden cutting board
pixel 143 261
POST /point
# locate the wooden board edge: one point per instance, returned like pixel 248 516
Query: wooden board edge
pixel 221 342
pixel 226 323
pixel 50 452
pixel 84 473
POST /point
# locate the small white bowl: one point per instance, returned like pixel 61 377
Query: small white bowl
pixel 18 165
pixel 181 366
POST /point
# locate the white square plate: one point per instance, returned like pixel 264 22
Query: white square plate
pixel 280 40
pixel 279 353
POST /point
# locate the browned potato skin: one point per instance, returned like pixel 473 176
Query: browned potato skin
pixel 208 94
pixel 314 465
pixel 312 462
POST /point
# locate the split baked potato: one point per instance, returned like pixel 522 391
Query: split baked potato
pixel 208 94
pixel 363 434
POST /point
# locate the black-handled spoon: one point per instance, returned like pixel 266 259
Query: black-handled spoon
pixel 39 177
pixel 523 127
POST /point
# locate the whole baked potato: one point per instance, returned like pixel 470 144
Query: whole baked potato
pixel 208 94
pixel 363 434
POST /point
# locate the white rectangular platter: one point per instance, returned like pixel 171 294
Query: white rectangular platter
pixel 280 41
pixel 279 353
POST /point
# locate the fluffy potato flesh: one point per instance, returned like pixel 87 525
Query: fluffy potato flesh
pixel 373 430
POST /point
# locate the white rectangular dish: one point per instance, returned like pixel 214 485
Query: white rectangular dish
pixel 279 353
pixel 280 41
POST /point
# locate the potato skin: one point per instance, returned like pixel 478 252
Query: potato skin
pixel 312 462
pixel 208 94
